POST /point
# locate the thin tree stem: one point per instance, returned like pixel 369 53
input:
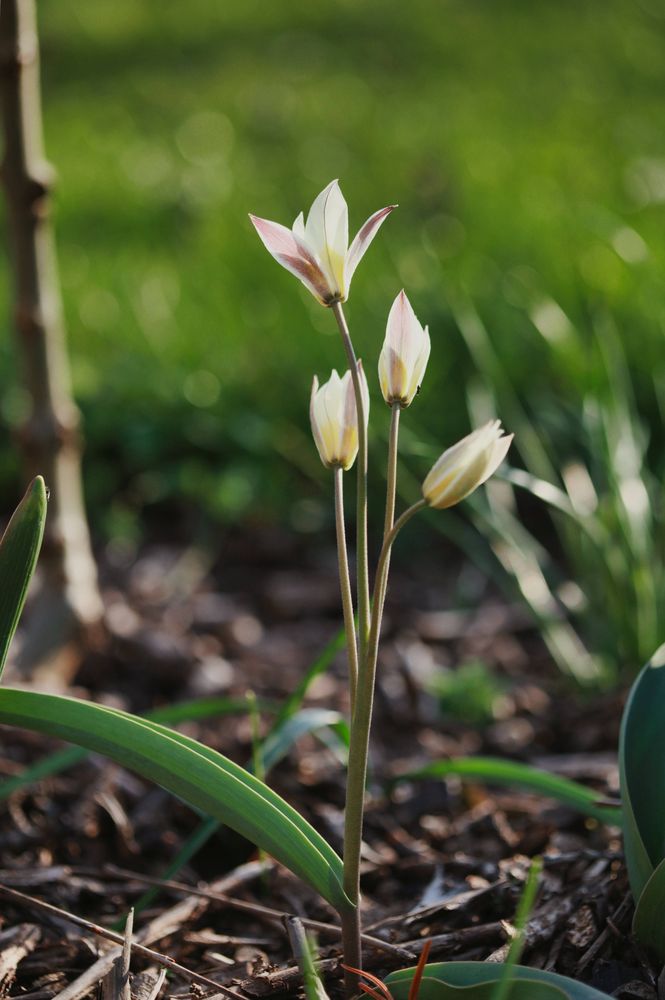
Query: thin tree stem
pixel 345 586
pixel 49 439
pixel 362 563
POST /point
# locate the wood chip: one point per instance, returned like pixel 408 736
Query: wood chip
pixel 15 944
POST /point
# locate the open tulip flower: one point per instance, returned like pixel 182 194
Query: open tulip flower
pixel 317 251
pixel 404 355
pixel 334 418
pixel 466 465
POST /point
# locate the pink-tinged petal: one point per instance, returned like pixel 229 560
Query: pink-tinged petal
pixel 277 239
pixel 404 354
pixel 362 240
pixel 290 251
pixel 402 329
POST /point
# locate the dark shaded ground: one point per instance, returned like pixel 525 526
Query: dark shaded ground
pixel 444 860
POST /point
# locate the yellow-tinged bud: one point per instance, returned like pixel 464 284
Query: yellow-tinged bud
pixel 332 411
pixel 466 465
pixel 404 355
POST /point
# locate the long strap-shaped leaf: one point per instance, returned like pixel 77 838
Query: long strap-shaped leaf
pixel 19 549
pixel 497 771
pixel 201 776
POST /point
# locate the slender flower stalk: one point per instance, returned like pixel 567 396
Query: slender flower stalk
pixel 358 754
pixel 345 586
pixel 391 490
pixel 362 562
pixel 356 771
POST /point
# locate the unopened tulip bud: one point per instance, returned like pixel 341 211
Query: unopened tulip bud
pixel 332 411
pixel 317 251
pixel 466 465
pixel 404 355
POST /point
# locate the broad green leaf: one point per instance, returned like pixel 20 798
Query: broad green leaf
pixel 438 989
pixel 277 744
pixel 451 980
pixel 60 760
pixel 19 548
pixel 200 776
pixel 648 925
pixel 508 772
pixel 641 766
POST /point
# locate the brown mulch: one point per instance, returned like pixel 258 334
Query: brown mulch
pixel 444 861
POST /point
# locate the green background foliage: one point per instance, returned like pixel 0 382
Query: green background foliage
pixel 524 144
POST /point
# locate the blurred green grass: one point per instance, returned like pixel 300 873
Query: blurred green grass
pixel 523 141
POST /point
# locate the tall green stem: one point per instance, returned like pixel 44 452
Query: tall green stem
pixel 362 563
pixel 358 752
pixel 345 586
pixel 391 490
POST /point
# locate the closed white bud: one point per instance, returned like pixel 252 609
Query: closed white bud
pixel 404 355
pixel 332 411
pixel 466 465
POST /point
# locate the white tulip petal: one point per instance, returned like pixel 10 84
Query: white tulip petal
pixel 316 250
pixel 466 465
pixel 404 354
pixel 334 418
pixel 327 234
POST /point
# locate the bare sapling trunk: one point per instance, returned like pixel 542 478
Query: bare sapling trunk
pixel 49 440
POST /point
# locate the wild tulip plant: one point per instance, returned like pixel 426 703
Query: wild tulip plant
pixel 316 252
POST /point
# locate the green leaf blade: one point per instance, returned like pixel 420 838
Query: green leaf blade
pixel 19 549
pixel 641 763
pixel 497 771
pixel 198 775
pixel 476 980
pixel 648 926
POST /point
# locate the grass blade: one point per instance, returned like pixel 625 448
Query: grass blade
pixel 320 664
pixel 527 899
pixel 495 771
